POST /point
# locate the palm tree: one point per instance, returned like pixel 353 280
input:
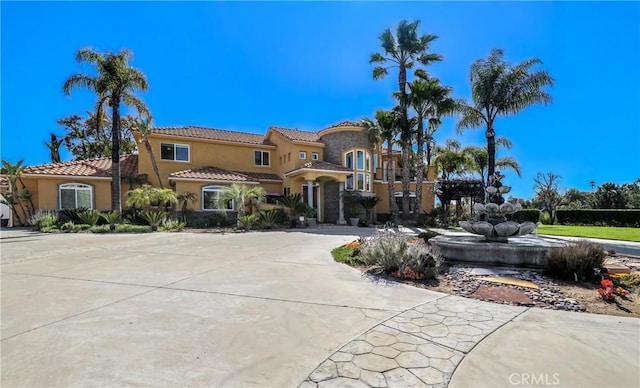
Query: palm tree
pixel 479 159
pixel 384 130
pixel 403 51
pixel 184 199
pixel 54 148
pixel 449 160
pixel 430 101
pixel 114 84
pixel 144 127
pixel 147 196
pixel 501 89
pixel 243 195
pixel 13 172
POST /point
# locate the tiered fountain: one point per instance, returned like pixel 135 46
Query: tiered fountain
pixel 500 241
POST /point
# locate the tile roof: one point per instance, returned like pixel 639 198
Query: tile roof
pixel 87 168
pixel 296 134
pixel 346 123
pixel 320 165
pixel 220 174
pixel 212 134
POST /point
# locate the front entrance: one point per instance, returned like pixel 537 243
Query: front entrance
pixel 305 196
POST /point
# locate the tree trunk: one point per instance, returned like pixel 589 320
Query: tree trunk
pixel 116 203
pixel 420 169
pixel 491 150
pixel 391 180
pixel 147 144
pixel 406 180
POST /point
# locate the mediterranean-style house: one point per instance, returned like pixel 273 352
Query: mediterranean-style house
pixel 319 165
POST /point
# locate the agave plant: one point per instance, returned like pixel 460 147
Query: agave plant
pixel 154 217
pixel 111 218
pixel 268 218
pixel 247 221
pixel 89 217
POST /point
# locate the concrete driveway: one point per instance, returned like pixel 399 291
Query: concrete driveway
pixel 185 309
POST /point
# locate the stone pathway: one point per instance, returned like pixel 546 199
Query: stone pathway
pixel 420 347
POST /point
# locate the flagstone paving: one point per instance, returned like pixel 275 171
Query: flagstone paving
pixel 419 347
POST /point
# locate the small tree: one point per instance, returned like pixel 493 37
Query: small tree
pixel 243 195
pixel 368 203
pixel 184 199
pixel 546 186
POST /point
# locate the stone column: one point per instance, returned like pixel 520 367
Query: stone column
pixel 341 219
pixel 310 193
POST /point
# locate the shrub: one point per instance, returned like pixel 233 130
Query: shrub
pixel 129 228
pixel 545 218
pixel 268 218
pixel 99 229
pixel 577 261
pixel 111 218
pixel 90 217
pixel 247 222
pixel 80 228
pixel 427 235
pixel 532 215
pixel 154 217
pixel 629 281
pixel 67 227
pixel 386 249
pixel 200 223
pixel 600 217
pixel 347 254
pixel 423 259
pixel 74 214
pixel 218 220
pixel 50 229
pixel 172 226
pixel 43 219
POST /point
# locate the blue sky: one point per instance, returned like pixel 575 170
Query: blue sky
pixel 245 66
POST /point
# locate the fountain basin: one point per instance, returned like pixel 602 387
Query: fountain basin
pixel 520 251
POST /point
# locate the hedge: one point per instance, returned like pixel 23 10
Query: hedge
pixel 599 217
pixel 523 215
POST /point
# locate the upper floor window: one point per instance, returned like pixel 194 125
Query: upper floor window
pixel 75 195
pixel 348 159
pixel 261 158
pixel 303 155
pixel 315 156
pixel 178 152
pixel 211 199
pixel 360 159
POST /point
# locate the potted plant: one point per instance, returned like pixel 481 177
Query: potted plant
pixel 352 207
pixel 311 213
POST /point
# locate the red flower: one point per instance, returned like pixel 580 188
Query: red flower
pixel 606 283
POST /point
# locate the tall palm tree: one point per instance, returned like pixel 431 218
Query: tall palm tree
pixel 115 83
pixel 430 101
pixel 378 132
pixel 144 127
pixel 403 51
pixel 54 148
pixel 501 89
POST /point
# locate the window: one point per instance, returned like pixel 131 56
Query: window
pixel 288 156
pixel 75 195
pixel 280 159
pixel 178 152
pixel 303 155
pixel 367 182
pixel 375 162
pixel 349 184
pixel 315 156
pixel 210 199
pixel 348 160
pixel 360 159
pixel 286 191
pixel 360 181
pixel 367 162
pixel 261 158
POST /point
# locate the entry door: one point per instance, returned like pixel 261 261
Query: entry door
pixel 305 191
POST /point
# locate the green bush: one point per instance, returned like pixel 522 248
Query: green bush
pixel 67 227
pixel 50 229
pixel 90 217
pixel 268 218
pixel 347 255
pixel 424 259
pixel 576 261
pixel 44 220
pixel 599 217
pixel 172 226
pixel 130 228
pixel 247 222
pixel 217 220
pixel 385 249
pixel 80 228
pixel 545 218
pixel 111 218
pixel 154 217
pixel 99 229
pixel 73 214
pixel 427 235
pixel 531 215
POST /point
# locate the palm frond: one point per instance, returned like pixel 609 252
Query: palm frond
pixel 78 81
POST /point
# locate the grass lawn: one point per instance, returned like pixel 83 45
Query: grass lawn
pixel 606 232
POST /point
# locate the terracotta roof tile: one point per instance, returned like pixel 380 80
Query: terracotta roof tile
pixel 212 134
pixel 296 134
pixel 220 174
pixel 87 168
pixel 346 123
pixel 320 165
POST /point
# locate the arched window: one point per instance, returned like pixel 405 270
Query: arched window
pixel 75 195
pixel 360 161
pixel 210 199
